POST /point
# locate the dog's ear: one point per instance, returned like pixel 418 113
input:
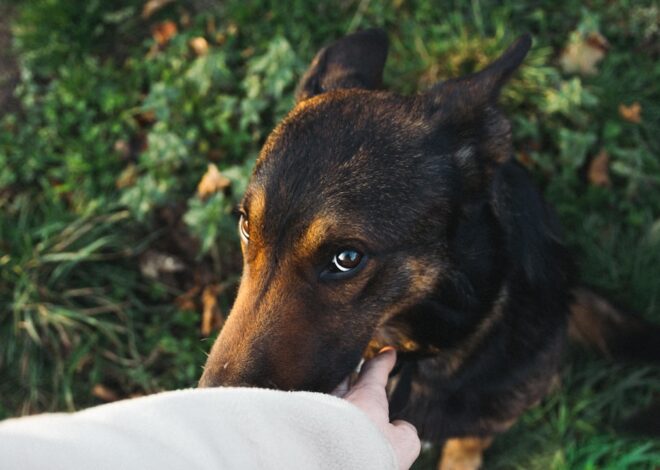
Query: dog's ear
pixel 354 61
pixel 469 102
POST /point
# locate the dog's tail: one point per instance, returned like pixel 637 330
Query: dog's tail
pixel 596 323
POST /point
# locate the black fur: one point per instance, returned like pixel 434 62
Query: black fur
pixel 465 271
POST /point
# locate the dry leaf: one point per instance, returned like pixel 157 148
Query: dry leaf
pixel 152 6
pixel 199 45
pixel 583 54
pixel 632 113
pixel 211 315
pixel 597 41
pixel 163 32
pixel 146 117
pixel 212 182
pixel 103 393
pixel 599 170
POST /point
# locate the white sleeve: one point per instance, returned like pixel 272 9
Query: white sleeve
pixel 226 428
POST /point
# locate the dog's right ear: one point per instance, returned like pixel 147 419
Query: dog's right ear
pixel 354 61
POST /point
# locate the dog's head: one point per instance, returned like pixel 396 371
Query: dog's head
pixel 351 212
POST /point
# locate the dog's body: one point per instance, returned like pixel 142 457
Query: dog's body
pixel 374 219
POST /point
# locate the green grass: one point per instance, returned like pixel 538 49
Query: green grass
pixel 99 167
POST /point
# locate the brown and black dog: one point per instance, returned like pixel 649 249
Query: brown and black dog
pixel 376 219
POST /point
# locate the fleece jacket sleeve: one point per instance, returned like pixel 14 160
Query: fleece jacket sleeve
pixel 229 428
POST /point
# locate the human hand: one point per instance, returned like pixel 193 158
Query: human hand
pixel 368 394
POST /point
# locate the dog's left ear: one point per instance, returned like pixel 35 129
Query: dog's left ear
pixel 470 103
pixel 467 95
pixel 354 61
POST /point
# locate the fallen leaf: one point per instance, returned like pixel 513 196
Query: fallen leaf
pixel 599 170
pixel 212 182
pixel 199 45
pixel 247 52
pixel 211 314
pixel 152 6
pixel 583 53
pixel 632 113
pixel 103 393
pixel 146 117
pixel 163 32
pixel 597 41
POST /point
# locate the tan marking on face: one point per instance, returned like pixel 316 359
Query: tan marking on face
pixel 424 275
pixel 316 232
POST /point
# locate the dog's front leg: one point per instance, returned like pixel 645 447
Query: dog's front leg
pixel 465 453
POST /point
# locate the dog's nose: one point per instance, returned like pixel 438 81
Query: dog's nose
pixel 219 374
pixel 208 380
pixel 235 374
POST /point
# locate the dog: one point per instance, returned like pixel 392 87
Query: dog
pixel 373 219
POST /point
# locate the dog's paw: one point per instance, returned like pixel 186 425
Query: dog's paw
pixel 464 453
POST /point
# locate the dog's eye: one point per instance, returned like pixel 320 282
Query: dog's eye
pixel 346 260
pixel 244 228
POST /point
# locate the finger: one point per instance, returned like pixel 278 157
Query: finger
pixel 375 371
pixel 342 388
pixel 409 445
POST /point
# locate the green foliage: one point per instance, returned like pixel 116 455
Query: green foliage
pixel 99 169
pixel 53 32
pixel 206 219
pixel 76 312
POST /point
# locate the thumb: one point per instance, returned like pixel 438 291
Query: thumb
pixel 375 371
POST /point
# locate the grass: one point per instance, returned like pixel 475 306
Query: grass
pixel 106 251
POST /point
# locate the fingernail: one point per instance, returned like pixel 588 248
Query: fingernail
pixel 386 348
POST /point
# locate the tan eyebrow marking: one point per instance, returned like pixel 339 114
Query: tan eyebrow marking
pixel 316 231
